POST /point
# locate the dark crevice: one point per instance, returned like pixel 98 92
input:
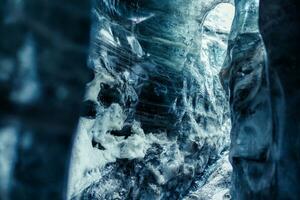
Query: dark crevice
pixel 126 131
pixel 109 94
pixel 97 145
pixel 89 109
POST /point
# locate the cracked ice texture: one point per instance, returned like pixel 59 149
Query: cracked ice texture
pixel 156 117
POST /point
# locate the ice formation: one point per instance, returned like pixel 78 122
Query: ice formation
pixel 156 120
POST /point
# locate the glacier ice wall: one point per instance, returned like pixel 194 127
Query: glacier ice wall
pixel 251 133
pixel 262 74
pixel 156 119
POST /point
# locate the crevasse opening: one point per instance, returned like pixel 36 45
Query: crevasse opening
pixel 216 28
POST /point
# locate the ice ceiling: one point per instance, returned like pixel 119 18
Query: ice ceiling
pixel 157 118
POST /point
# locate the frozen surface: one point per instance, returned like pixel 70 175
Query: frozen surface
pixel 217 185
pixel 156 121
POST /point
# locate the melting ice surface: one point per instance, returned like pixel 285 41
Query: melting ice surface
pixel 157 121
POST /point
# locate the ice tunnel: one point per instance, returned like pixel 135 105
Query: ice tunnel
pixel 149 99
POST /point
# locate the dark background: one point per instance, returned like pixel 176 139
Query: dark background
pixel 60 30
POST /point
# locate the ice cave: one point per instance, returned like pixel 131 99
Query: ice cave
pixel 151 135
pixel 149 100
